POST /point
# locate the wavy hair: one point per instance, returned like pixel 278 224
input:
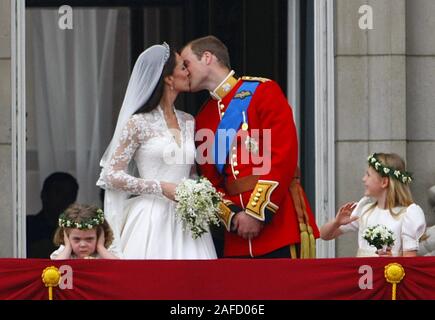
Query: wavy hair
pixel 80 213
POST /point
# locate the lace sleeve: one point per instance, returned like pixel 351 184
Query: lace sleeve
pixel 115 175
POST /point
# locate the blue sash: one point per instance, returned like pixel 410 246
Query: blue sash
pixel 231 122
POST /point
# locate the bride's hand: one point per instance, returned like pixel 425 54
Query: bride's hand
pixel 168 190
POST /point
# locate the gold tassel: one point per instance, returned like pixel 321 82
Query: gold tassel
pixel 305 241
pixel 308 241
pixel 293 253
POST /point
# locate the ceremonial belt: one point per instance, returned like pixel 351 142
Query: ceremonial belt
pixel 241 185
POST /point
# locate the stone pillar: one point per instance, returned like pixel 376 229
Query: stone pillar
pixel 370 95
pixel 420 91
pixel 6 215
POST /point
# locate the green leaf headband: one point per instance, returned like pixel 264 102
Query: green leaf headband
pixel 87 224
pixel 385 171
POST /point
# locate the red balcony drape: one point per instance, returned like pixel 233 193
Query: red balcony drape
pixel 225 279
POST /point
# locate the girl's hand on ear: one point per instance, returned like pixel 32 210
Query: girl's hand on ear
pixel 101 239
pixel 66 241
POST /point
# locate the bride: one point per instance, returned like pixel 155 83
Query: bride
pixel 160 140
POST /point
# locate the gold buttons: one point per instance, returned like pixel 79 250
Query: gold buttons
pixel 256 198
pixel 234 156
pixel 234 148
pixel 221 106
pixel 258 194
pixel 236 172
pixel 235 163
pixel 260 190
pixel 253 203
pixel 222 114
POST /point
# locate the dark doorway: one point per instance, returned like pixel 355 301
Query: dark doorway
pixel 307 142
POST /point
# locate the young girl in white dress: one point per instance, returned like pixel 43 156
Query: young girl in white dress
pixel 388 201
pixel 83 233
pixel 159 140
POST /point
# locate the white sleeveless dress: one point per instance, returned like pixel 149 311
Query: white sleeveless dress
pixel 150 229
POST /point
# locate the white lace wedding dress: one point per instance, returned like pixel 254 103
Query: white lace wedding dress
pixel 151 229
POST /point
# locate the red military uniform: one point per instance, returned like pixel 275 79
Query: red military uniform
pixel 265 195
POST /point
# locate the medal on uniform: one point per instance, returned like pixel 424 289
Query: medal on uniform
pixel 251 145
pixel 245 124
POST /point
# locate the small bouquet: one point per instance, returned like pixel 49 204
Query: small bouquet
pixel 379 236
pixel 198 205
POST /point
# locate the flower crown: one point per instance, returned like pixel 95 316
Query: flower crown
pixel 86 224
pixel 385 171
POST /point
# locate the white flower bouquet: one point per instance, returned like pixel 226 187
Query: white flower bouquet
pixel 198 205
pixel 379 236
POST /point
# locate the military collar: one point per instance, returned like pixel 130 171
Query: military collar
pixel 224 87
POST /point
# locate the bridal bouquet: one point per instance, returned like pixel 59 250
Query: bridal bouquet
pixel 198 205
pixel 379 236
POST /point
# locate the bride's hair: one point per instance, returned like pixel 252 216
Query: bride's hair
pixel 157 94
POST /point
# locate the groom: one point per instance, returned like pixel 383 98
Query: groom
pixel 252 157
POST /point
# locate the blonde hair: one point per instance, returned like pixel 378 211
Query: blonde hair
pixel 398 193
pixel 80 213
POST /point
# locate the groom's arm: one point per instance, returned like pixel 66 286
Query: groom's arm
pixel 280 153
